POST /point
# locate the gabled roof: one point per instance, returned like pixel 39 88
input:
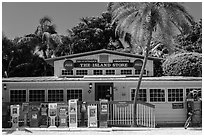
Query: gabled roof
pixel 51 60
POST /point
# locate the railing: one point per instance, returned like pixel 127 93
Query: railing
pixel 121 113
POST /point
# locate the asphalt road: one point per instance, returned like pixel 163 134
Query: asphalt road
pixel 156 131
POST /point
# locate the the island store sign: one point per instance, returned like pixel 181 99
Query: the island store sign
pixel 117 63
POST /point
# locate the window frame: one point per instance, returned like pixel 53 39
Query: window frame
pixel 167 94
pixel 74 89
pixel 110 70
pixel 135 90
pixel 81 70
pixel 126 70
pixel 36 89
pixel 67 72
pixel 26 93
pixel 97 70
pixel 54 89
pixel 145 72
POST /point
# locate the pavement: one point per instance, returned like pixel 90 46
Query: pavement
pixel 104 131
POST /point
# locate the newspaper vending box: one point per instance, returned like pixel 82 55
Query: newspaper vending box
pixel 44 115
pixel 103 117
pixel 62 113
pixel 25 110
pixel 73 113
pixel 34 114
pixel 92 116
pixel 52 112
pixel 15 115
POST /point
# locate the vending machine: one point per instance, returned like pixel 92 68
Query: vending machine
pixel 62 113
pixel 44 115
pixel 92 116
pixel 73 113
pixel 34 114
pixel 52 113
pixel 15 115
pixel 25 110
pixel 103 117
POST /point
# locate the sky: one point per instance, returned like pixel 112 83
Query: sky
pixel 21 18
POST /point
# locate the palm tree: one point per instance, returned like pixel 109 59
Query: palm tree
pixel 46 38
pixel 143 20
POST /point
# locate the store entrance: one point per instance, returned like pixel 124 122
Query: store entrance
pixel 104 91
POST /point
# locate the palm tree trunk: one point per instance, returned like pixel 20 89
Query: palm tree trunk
pixel 137 89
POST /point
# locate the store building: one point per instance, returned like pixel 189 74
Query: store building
pixel 105 74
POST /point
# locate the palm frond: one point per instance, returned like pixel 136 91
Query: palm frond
pixel 45 19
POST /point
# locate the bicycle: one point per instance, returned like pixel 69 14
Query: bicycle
pixel 189 120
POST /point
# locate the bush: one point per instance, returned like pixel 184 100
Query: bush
pixel 183 64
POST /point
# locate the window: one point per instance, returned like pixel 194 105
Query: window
pixel 137 72
pixel 55 95
pixel 17 95
pixel 191 89
pixel 81 72
pixel 36 95
pixel 126 72
pixel 142 96
pixel 67 72
pixel 157 95
pixel 175 95
pixel 103 58
pixel 110 72
pixel 97 72
pixel 74 94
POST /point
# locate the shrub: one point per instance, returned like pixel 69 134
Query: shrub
pixel 183 64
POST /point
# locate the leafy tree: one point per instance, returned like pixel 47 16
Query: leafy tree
pixel 19 61
pixel 142 20
pixel 7 55
pixel 94 33
pixel 192 41
pixel 183 64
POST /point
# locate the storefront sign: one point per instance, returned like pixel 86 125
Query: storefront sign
pixel 117 63
pixel 138 64
pixel 122 104
pixel 121 60
pixel 103 65
pixel 177 106
pixel 68 64
pixel 86 61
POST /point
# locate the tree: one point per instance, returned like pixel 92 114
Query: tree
pixel 192 41
pixel 183 64
pixel 143 20
pixel 19 61
pixel 7 55
pixel 45 37
pixel 94 33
